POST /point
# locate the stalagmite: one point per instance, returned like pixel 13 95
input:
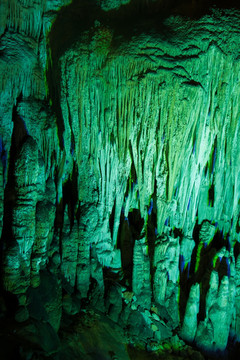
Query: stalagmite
pixel 69 251
pixel 141 273
pixel 45 213
pixel 165 282
pixel 17 278
pixel 189 327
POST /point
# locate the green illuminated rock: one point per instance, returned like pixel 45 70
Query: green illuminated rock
pixel 18 260
pixel 141 273
pixel 113 4
pixel 189 327
pixel 1 197
pixel 119 168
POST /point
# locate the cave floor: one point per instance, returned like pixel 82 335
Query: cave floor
pixel 93 336
pixel 89 335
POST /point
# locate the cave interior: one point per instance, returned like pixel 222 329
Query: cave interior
pixel 119 179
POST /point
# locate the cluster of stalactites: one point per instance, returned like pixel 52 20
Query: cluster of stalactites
pixel 28 17
pixel 155 133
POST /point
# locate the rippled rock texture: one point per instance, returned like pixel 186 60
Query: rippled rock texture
pixel 119 172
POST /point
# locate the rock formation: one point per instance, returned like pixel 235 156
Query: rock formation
pixel 119 171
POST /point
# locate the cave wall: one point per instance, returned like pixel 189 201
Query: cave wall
pixel 119 175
